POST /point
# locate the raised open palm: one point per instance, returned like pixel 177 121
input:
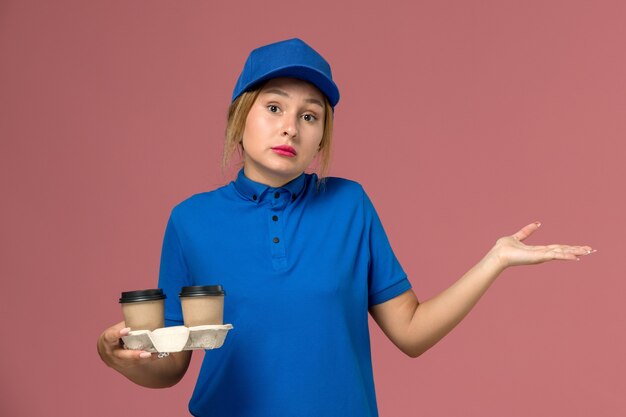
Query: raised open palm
pixel 511 250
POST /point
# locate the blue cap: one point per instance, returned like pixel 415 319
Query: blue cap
pixel 291 58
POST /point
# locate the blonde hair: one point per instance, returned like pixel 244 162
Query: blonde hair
pixel 237 115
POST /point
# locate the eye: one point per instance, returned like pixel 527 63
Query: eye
pixel 273 108
pixel 309 117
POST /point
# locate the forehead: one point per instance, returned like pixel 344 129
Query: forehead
pixel 293 86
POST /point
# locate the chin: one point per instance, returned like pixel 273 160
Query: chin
pixel 285 170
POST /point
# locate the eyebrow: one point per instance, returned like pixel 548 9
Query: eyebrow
pixel 284 94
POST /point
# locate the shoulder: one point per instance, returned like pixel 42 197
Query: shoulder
pixel 348 194
pixel 339 195
pixel 202 202
pixel 337 186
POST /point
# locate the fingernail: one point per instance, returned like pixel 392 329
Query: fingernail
pixel 145 355
pixel 125 331
pixel 538 224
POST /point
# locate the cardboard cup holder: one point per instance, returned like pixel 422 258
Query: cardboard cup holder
pixel 177 338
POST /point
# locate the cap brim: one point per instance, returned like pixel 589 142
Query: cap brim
pixel 309 74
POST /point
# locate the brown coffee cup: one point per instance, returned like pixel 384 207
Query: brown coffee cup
pixel 202 305
pixel 143 309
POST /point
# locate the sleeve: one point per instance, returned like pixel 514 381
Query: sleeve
pixel 386 278
pixel 173 273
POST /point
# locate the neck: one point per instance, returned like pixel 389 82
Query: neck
pixel 274 181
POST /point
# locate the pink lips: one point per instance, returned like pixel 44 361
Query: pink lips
pixel 284 150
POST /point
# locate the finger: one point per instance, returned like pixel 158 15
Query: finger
pixel 563 256
pixel 112 334
pixel 577 250
pixel 526 231
pixel 573 253
pixel 586 249
pixel 132 355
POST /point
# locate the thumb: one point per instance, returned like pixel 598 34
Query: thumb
pixel 526 231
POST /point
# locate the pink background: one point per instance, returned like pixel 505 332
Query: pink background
pixel 463 120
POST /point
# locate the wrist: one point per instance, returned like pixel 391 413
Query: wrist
pixel 495 261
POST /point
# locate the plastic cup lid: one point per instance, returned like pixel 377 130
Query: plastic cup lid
pixel 201 290
pixel 142 295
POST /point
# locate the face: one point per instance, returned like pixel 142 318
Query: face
pixel 283 131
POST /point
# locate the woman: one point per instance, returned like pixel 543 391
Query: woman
pixel 303 261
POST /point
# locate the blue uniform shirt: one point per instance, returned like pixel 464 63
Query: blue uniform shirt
pixel 300 268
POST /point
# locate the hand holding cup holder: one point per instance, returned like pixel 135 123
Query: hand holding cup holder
pixel 203 309
pixel 164 340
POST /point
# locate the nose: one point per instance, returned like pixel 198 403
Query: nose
pixel 290 127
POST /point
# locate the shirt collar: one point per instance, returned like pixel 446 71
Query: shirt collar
pixel 253 191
